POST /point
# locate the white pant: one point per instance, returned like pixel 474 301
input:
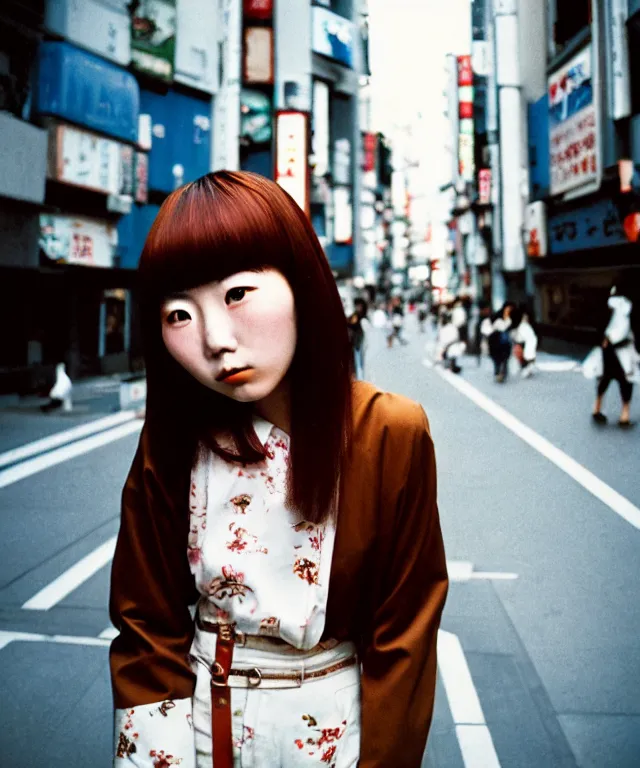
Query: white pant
pixel 315 724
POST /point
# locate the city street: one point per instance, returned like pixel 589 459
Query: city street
pixel 539 655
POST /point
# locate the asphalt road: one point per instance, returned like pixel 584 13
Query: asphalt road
pixel 540 660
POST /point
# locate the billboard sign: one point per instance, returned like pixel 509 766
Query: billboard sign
pixel 333 36
pixel 292 135
pixel 78 240
pixel 573 125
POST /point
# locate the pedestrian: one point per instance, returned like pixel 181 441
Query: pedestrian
pixel 396 313
pixel 423 311
pixel 618 358
pixel 357 335
pixel 60 393
pixel 294 506
pixel 526 339
pixel 459 319
pixel 450 345
pixel 500 342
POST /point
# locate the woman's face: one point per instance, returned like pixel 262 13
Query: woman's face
pixel 237 336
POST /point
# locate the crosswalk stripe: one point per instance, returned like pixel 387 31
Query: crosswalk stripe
pixel 31 637
pixel 72 578
pixel 64 436
pixel 66 452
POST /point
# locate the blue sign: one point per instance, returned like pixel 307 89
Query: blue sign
pixel 591 226
pixel 333 36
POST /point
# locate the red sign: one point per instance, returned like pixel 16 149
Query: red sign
pixel 258 9
pixel 369 145
pixel 465 110
pixel 465 71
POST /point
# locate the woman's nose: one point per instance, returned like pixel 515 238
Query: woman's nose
pixel 219 336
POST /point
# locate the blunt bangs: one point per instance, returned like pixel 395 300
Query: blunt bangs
pixel 212 228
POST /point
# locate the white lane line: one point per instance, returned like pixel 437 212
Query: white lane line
pixel 66 436
pixel 57 456
pixel 109 633
pixel 72 578
pixel 29 637
pixel 474 738
pixel 614 500
pixel 462 570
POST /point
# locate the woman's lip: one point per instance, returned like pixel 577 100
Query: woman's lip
pixel 239 377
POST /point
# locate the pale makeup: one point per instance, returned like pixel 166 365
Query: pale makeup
pixel 244 323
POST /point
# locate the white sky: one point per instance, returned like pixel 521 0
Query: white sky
pixel 409 40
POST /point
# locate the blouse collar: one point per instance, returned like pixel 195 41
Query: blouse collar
pixel 264 428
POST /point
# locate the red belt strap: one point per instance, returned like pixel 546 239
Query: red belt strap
pixel 222 746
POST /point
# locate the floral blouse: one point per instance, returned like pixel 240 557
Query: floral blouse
pixel 256 563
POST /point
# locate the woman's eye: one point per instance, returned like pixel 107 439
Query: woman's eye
pixel 236 294
pixel 178 316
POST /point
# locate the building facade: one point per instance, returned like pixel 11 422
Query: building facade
pixel 106 108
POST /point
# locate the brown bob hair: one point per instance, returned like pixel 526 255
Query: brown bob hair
pixel 227 222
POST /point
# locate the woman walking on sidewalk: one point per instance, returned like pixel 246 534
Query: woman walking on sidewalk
pixel 296 506
pixel 619 358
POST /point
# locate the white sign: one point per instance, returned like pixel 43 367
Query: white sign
pixel 621 91
pixel 78 240
pixel 291 155
pixel 88 160
pixel 573 125
pixel 535 223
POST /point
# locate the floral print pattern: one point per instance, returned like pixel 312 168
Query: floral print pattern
pixel 158 735
pixel 323 742
pixel 252 556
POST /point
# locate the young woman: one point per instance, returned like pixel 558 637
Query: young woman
pixel 294 505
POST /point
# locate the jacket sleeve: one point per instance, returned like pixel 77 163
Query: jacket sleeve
pixel 399 660
pixel 151 589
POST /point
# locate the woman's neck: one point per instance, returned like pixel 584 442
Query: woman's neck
pixel 276 407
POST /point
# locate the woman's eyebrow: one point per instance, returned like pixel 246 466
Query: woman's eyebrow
pixel 176 295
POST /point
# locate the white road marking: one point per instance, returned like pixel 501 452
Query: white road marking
pixel 474 738
pixel 66 452
pixel 614 500
pixel 109 633
pixel 461 570
pixel 72 578
pixel 66 436
pixel 558 366
pixel 8 637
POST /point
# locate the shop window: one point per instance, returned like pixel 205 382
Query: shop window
pixel 633 29
pixel 571 17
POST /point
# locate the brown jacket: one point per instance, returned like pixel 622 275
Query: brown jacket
pixel 387 591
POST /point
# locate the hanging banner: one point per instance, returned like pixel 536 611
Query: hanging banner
pixel 226 105
pixel 292 129
pixel 573 125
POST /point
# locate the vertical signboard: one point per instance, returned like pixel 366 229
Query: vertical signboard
pixel 465 119
pixel 226 136
pixel 621 91
pixel 292 129
pixel 573 125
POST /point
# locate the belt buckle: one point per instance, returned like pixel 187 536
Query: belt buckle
pixel 218 678
pixel 254 677
pixel 226 632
